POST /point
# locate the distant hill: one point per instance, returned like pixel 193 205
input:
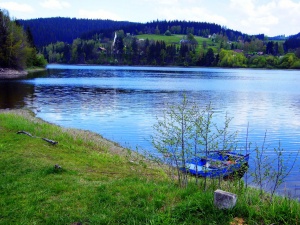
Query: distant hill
pixel 278 38
pixel 51 30
pixel 293 42
pixel 203 29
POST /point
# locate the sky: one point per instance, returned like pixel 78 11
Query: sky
pixel 270 17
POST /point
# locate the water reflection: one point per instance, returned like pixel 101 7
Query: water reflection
pixel 13 94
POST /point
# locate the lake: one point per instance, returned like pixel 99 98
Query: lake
pixel 123 103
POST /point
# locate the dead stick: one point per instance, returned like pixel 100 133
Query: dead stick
pixel 24 132
pixel 50 141
pixel 30 135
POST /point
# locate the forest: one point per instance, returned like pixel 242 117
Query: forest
pixel 106 42
pixel 156 43
pixel 17 50
pixel 217 50
pixel 50 30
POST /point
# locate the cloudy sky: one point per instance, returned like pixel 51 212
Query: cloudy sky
pixel 271 17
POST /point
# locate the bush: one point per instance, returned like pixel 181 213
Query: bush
pixel 296 65
pixel 40 61
pixel 168 33
pixel 288 60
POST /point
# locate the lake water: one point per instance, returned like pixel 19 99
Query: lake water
pixel 122 103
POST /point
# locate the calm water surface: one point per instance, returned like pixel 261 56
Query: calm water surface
pixel 122 103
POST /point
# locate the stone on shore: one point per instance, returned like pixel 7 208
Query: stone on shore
pixel 224 200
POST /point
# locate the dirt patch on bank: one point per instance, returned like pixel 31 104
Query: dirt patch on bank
pixel 12 74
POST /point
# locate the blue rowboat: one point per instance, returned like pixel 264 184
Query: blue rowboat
pixel 218 164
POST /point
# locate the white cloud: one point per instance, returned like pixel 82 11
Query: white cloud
pixel 161 2
pixel 245 7
pixel 266 16
pixel 166 2
pixel 190 13
pixel 288 4
pixel 55 4
pixel 18 7
pixel 98 14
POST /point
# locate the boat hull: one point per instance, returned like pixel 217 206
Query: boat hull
pixel 219 164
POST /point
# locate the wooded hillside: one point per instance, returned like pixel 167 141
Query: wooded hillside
pixel 180 43
pixel 51 30
pixel 16 48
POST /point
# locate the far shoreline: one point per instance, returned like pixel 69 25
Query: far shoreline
pixel 166 66
pixel 9 73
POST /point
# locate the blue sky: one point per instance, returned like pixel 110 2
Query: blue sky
pixel 271 17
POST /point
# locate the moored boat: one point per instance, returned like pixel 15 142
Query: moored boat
pixel 218 164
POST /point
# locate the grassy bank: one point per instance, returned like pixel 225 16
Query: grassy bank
pixel 101 183
pixel 35 69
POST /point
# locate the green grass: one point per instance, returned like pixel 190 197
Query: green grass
pixel 35 69
pixel 100 183
pixel 175 39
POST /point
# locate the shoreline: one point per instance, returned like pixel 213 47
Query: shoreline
pixel 7 73
pixel 169 66
pixel 113 147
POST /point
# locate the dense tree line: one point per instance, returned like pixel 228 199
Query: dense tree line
pixel 51 30
pixel 128 50
pixel 183 27
pixel 292 44
pixel 16 46
pixel 66 40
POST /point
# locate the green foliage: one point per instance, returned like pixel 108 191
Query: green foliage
pixel 296 65
pixel 264 61
pixel 191 38
pixel 35 59
pixel 272 61
pixel 229 58
pixel 172 139
pixel 288 60
pixel 168 33
pixel 15 50
pixel 258 61
pixel 14 46
pixel 40 61
pixel 209 59
pixel 254 45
